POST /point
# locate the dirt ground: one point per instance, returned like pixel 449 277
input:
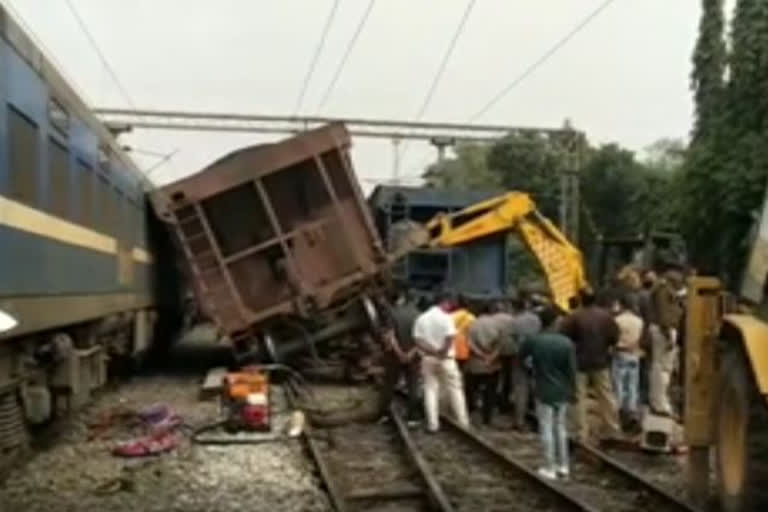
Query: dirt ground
pixel 77 472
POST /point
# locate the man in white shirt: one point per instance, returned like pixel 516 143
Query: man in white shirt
pixel 433 334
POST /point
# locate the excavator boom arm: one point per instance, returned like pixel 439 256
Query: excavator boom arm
pixel 515 212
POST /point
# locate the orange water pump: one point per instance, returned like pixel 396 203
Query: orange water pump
pixel 246 400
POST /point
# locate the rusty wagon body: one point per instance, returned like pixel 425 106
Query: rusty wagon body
pixel 276 233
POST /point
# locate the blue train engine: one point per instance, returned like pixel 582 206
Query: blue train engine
pixel 81 257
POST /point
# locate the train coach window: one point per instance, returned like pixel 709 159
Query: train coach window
pixel 58 117
pixel 104 163
pixel 59 180
pixel 107 211
pixel 24 153
pixel 86 187
pixel 127 220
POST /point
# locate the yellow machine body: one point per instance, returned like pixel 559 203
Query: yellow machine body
pixel 513 212
pixel 753 332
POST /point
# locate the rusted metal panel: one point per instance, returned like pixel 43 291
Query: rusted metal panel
pixel 274 229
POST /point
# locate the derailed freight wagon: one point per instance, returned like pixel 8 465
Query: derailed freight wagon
pixel 278 242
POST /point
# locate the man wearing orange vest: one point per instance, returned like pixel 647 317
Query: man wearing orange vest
pixel 462 319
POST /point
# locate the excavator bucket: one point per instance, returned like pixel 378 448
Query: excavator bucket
pixel 407 236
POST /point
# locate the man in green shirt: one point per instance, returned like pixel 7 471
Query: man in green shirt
pixel 554 369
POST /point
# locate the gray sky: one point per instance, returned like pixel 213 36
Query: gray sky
pixel 624 78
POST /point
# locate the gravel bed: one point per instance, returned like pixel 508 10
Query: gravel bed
pixel 80 474
pixel 591 482
pixel 474 481
pixel 364 456
pixel 340 397
pixel 666 471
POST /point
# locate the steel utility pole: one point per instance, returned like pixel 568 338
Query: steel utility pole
pixel 441 143
pixel 570 185
pixel 395 161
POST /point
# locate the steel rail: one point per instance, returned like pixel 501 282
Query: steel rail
pixel 632 475
pixel 334 494
pixel 332 489
pixel 434 489
pixel 565 498
pixel 593 454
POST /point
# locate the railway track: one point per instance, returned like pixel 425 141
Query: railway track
pixel 374 467
pixel 596 478
pixel 477 476
pixel 378 467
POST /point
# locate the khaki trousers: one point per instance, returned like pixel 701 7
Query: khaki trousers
pixel 663 360
pixel 599 382
pixel 445 373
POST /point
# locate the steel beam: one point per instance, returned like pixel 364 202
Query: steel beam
pixel 359 127
pixel 314 120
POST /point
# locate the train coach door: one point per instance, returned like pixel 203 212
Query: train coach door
pixel 124 264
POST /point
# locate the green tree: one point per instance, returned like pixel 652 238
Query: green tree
pixel 707 77
pixel 612 188
pixel 727 165
pixel 531 163
pixel 665 155
pixel 468 168
pixel 623 195
pixel 746 112
pixel 662 178
pixel 703 170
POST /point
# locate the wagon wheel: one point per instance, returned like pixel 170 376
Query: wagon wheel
pixel 742 443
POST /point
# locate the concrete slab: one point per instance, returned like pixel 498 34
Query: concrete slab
pixel 214 381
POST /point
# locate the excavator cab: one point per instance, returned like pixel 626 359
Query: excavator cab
pixel 655 250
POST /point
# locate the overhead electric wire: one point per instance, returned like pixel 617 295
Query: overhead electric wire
pixel 444 63
pixel 102 57
pixel 541 60
pixel 345 57
pixel 316 56
pixel 46 51
pixel 441 68
pixel 163 160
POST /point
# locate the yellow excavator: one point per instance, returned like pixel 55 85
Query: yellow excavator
pixel 726 383
pixel 513 212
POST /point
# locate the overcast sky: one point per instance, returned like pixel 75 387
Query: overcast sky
pixel 624 78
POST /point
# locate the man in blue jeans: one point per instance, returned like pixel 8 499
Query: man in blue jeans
pixel 626 360
pixel 554 369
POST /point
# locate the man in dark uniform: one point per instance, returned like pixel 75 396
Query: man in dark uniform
pixel 401 359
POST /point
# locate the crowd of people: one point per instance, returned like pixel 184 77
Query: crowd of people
pixel 517 356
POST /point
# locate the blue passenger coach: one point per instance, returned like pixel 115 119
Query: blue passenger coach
pixel 77 259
